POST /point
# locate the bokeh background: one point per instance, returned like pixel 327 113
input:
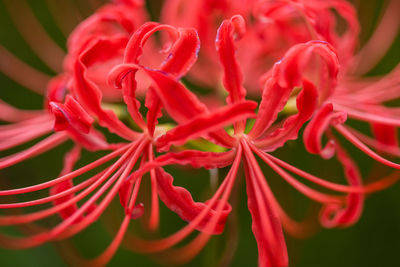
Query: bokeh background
pixel 373 241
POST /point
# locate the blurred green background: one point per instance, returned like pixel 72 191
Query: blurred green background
pixel 373 241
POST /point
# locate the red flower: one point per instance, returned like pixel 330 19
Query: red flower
pixel 110 45
pixel 29 125
pixel 273 27
pixel 362 99
pixel 265 136
pixel 72 116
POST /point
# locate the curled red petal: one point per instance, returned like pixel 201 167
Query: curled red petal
pixel 326 21
pixel 324 117
pixel 182 55
pixel 225 44
pixel 71 114
pixel 89 95
pixel 208 122
pixel 179 200
pixel 306 102
pixel 298 64
pixel 180 103
pixel 72 118
pixel 290 73
pixel 133 52
pixel 197 159
pixel 154 105
pixel 112 21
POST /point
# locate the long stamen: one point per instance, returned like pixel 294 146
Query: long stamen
pixel 52 197
pixel 9 113
pixel 384 89
pixel 265 217
pixel 360 145
pixel 106 256
pixel 19 219
pixel 36 118
pixel 298 228
pixel 265 225
pixel 369 188
pixel 65 229
pixel 187 252
pixel 71 230
pixel 390 149
pixel 109 252
pixel 146 246
pixel 12 130
pixel 31 241
pixel 367 116
pixel 154 216
pixel 24 136
pixel 68 176
pixel 48 143
pixel 307 191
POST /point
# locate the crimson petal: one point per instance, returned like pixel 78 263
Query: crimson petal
pixel 208 122
pixel 225 43
pixel 288 74
pixel 71 114
pixel 89 94
pixel 179 200
pixel 306 104
pixel 317 126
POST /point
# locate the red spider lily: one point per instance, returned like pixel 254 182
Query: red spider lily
pixel 265 136
pixel 98 46
pixel 274 26
pixel 361 99
pixel 109 21
pixel 86 95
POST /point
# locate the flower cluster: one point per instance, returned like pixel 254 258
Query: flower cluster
pixel 299 62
